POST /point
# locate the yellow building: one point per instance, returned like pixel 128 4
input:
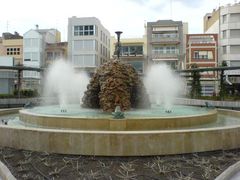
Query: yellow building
pixel 133 51
pixel 12 45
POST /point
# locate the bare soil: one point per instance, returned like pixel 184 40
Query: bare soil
pixel 41 165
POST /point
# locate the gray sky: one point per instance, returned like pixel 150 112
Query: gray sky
pixel 125 15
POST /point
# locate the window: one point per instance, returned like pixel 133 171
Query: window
pixel 235 49
pixel 224 19
pixel 224 49
pixel 87 30
pixel 57 55
pixel 13 51
pixel 31 42
pixel 235 33
pixel 165 50
pixel 86 60
pixel 207 90
pixel 28 56
pixel 224 34
pixel 138 65
pixel 234 17
pixel 49 55
pixel 165 35
pixel 131 50
pixel 34 56
pixel 203 55
pixel 84 45
pixel 27 42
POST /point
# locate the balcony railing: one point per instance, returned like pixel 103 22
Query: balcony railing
pixel 165 38
pixel 164 55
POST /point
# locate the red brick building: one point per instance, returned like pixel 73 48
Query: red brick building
pixel 202 49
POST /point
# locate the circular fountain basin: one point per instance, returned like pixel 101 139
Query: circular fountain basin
pixel 154 118
pixel 222 134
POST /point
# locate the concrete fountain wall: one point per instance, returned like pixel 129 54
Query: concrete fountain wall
pixel 126 124
pixel 122 143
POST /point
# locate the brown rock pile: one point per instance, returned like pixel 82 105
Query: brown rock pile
pixel 115 84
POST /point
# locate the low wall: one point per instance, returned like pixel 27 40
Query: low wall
pixel 19 102
pixel 217 104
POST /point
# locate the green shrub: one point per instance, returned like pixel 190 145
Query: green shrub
pixel 3 96
pixel 24 93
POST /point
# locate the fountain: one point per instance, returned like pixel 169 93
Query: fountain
pixel 113 115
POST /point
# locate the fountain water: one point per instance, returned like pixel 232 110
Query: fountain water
pixel 63 83
pixel 163 85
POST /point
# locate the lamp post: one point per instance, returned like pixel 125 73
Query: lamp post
pixel 118 45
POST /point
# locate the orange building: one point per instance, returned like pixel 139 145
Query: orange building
pixel 202 50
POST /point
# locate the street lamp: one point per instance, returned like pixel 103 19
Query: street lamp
pixel 118 45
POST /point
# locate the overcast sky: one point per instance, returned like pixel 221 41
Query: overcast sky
pixel 125 15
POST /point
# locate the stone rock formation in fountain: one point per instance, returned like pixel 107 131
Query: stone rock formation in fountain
pixel 115 84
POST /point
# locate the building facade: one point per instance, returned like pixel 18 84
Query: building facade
pixel 11 54
pixel 55 51
pixel 133 51
pixel 7 77
pixel 226 22
pixel 11 45
pixel 166 42
pixel 88 43
pixel 202 50
pixel 34 53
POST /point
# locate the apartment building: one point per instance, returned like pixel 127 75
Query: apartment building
pixel 202 50
pixel 11 45
pixel 226 22
pixel 133 51
pixel 55 51
pixel 11 48
pixel 166 42
pixel 34 46
pixel 88 43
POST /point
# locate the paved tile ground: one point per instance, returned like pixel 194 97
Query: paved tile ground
pixel 41 165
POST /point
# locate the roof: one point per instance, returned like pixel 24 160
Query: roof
pixel 165 22
pixel 8 35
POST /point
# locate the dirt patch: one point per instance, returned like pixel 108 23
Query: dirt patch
pixel 41 165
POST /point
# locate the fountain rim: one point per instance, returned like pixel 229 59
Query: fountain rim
pixel 26 111
pixel 109 123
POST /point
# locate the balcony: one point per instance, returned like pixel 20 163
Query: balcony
pixel 165 38
pixel 158 55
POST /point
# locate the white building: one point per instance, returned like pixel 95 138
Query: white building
pixel 34 43
pixel 226 22
pixel 88 42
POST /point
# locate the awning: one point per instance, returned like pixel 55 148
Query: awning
pixel 232 72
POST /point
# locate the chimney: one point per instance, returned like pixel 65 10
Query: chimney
pixel 37 26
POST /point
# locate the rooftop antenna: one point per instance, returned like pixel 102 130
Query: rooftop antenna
pixel 7 26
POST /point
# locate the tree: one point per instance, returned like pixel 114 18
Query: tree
pixel 196 87
pixel 223 89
